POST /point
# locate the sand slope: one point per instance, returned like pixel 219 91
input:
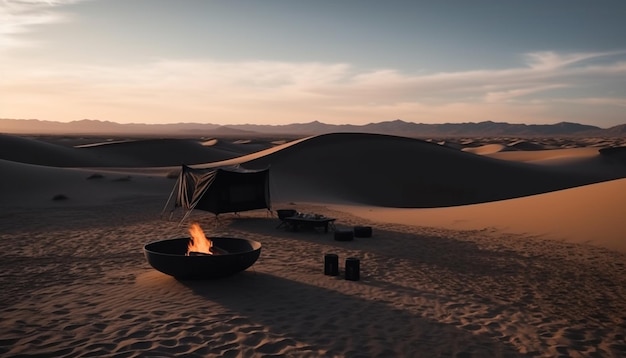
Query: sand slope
pixel 127 153
pixel 589 214
pixel 398 172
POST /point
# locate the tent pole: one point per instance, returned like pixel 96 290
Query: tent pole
pixel 185 216
pixel 170 198
pixel 187 213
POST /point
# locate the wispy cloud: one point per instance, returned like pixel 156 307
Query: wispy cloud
pixel 20 16
pixel 506 95
pixel 548 60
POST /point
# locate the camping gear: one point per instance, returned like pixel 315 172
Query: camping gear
pixel 331 265
pixel 283 214
pixel 310 221
pixel 169 256
pixel 220 190
pixel 353 268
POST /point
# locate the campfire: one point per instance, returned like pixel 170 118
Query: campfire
pixel 197 257
pixel 199 244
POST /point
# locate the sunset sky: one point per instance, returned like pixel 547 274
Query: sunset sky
pixel 278 62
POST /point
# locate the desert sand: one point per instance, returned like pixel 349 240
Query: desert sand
pixel 481 247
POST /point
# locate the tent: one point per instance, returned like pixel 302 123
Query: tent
pixel 221 190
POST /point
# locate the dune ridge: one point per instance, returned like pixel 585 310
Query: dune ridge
pixel 402 172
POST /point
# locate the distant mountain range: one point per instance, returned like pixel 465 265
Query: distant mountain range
pixel 397 127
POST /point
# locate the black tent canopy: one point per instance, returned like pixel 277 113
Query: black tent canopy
pixel 221 190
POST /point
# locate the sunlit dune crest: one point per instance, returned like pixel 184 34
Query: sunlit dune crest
pixel 210 142
pixel 101 143
pixel 486 149
pixel 525 145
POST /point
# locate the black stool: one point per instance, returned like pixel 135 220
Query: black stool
pixel 353 267
pixel 362 231
pixel 331 265
pixel 344 235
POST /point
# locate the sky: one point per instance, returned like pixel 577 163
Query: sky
pixel 296 61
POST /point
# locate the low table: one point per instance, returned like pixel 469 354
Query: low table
pixel 296 222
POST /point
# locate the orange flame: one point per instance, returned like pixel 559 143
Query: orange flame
pixel 198 242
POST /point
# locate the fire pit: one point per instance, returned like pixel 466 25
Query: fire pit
pixel 171 257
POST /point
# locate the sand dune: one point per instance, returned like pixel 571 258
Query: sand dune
pixel 477 251
pixel 127 153
pixel 28 185
pixel 27 150
pixel 397 172
pixel 550 156
pixel 589 214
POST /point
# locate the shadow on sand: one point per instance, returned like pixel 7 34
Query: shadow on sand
pixel 317 319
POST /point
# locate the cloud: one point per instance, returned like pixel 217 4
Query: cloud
pixel 504 96
pixel 277 92
pixel 19 16
pixel 549 60
pixel 605 101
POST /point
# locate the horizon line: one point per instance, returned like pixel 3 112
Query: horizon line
pixel 305 123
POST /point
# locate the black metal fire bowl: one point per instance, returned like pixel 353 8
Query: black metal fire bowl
pixel 168 256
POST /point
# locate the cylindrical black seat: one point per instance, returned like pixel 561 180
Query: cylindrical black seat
pixel 344 235
pixel 362 231
pixel 353 268
pixel 331 265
